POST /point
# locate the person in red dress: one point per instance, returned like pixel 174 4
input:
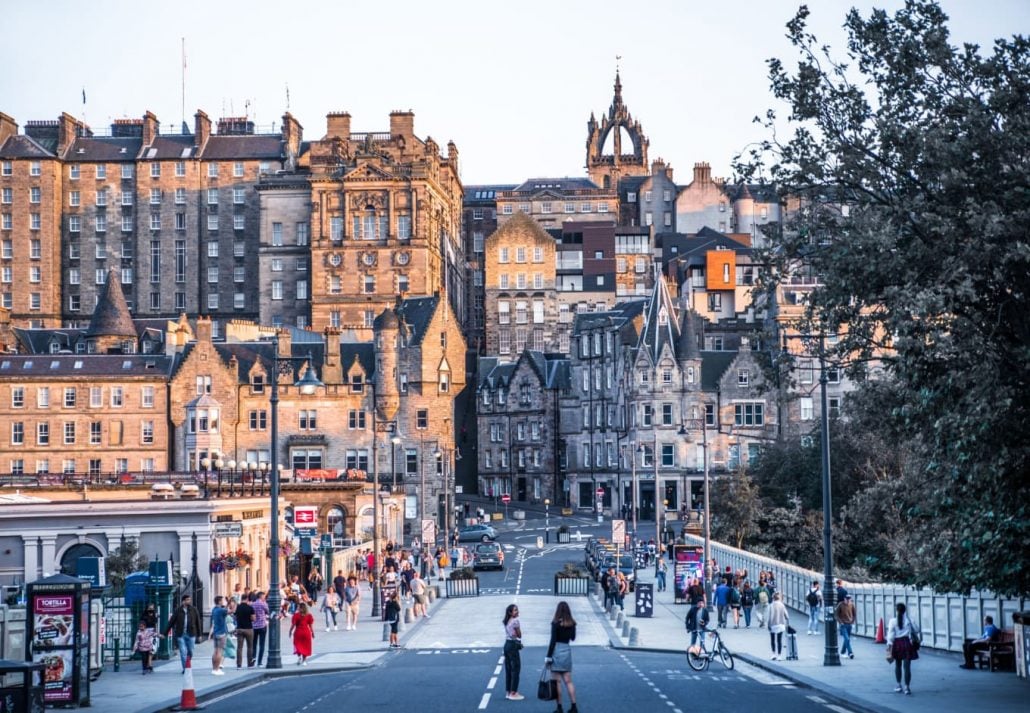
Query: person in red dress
pixel 303 633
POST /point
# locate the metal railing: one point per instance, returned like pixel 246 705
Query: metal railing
pixel 946 619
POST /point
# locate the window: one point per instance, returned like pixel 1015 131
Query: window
pixel 238 196
pixel 239 222
pixel 570 207
pixel 147 397
pixel 35 273
pixel 807 372
pixel 7 196
pixel 404 227
pixel 180 196
pixel 336 229
pixel 239 274
pixel 155 221
pixel 155 196
pixel 8 222
pixel 212 196
pixel 750 413
pixel 368 284
pixel 545 207
pixel 237 169
pixel 646 415
pixel 668 455
pixel 302 233
pixel 277 234
pixel 356 420
pixel 666 414
pixel 180 168
pixel 35 168
pixel 5 168
pixel 69 397
pixel 43 433
pixel 258 420
pixel 602 207
pixel 212 170
pixel 807 409
pixel 631 197
pixel 212 222
pixel 43 397
pixel 117 397
pixel 502 255
pixel 357 384
pixel 507 209
pixel 127 170
pixel 17 397
pixel 277 289
pixel 69 433
pixel 308 420
pixel 17 433
pixel 96 399
pixel 94 433
pixel 35 195
pixel 100 223
pixel 743 377
pixel 422 419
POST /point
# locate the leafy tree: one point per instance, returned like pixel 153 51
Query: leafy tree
pixel 928 271
pixel 736 505
pixel 124 561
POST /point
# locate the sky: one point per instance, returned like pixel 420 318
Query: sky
pixel 512 84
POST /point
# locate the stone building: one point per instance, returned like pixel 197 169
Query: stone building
pixel 607 168
pixel 553 201
pixel 479 220
pixel 519 426
pixel 386 221
pixel 650 200
pixel 30 219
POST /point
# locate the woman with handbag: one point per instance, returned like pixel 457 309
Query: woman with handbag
pixel 559 654
pixel 512 657
pixel 330 606
pixel 903 640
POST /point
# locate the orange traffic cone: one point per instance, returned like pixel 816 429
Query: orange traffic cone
pixel 188 701
pixel 880 638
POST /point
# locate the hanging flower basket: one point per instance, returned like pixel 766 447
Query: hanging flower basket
pixel 230 561
pixel 217 565
pixel 286 549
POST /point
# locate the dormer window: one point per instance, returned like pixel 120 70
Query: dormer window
pixel 257 384
pixel 357 384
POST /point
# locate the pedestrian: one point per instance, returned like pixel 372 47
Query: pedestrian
pixel 314 583
pixel 845 615
pixel 734 600
pixel 903 640
pixel 605 585
pixel 778 620
pixel 352 601
pixel 842 591
pixel 418 593
pixel 237 592
pixel 245 633
pixel 696 591
pixel 761 602
pixel 559 653
pixel 185 626
pixel 971 646
pixel 392 614
pixel 149 617
pixel 330 605
pixel 620 595
pixel 696 622
pixel 747 602
pixel 302 631
pixel 339 582
pixel 260 607
pixel 814 599
pixel 512 657
pixel 722 602
pixel 144 645
pixel 662 570
pixel 219 635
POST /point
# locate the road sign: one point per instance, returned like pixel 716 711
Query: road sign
pixel 327 541
pixel 228 529
pixel 600 492
pixel 305 532
pixel 618 531
pixel 505 498
pixel 305 516
pixel 539 542
pixel 428 531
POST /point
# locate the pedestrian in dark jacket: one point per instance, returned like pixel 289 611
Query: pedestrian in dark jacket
pixel 185 626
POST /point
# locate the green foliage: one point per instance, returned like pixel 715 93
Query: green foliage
pixel 463 573
pixel 571 570
pixel 124 561
pixel 736 506
pixel 926 274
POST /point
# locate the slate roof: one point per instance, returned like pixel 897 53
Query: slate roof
pixel 559 373
pixel 485 194
pixel 16 366
pixel 365 354
pixel 417 312
pixel 104 149
pixel 688 346
pixel 761 192
pixel 661 326
pixel 21 146
pixel 169 146
pixel 111 316
pixel 713 366
pixel 566 183
pixel 243 147
pixel 248 353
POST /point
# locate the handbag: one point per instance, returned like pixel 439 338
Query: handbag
pixel 547 689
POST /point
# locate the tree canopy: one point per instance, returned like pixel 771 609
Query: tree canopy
pixel 906 171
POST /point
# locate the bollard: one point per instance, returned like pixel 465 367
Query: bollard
pixel 618 620
pixel 430 594
pixel 625 629
pixel 117 660
pixel 597 589
pixel 634 637
pixel 614 612
pixel 386 632
pixel 408 616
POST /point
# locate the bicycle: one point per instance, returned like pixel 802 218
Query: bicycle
pixel 699 656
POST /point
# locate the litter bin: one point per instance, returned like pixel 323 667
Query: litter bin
pixel 22 687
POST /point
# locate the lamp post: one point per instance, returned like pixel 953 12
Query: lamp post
pixel 219 464
pixel 547 519
pixel 232 474
pixel 636 494
pixel 377 428
pixel 394 442
pixel 702 425
pixel 831 656
pixel 205 463
pixel 308 384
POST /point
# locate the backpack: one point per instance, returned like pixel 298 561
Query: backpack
pixel 812 599
pixel 734 596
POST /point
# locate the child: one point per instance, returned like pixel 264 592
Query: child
pixel 145 643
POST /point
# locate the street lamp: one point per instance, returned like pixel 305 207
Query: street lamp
pixel 639 449
pixel 547 519
pixel 205 463
pixel 307 385
pixel 394 442
pixel 831 657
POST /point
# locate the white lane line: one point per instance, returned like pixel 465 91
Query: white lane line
pixel 497 671
pixel 484 701
pixel 491 684
pixel 815 699
pixel 839 709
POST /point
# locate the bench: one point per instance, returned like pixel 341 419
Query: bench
pixel 1000 655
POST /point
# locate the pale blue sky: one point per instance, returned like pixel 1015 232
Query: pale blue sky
pixel 512 83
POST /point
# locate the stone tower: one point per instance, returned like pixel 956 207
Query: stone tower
pixel 606 169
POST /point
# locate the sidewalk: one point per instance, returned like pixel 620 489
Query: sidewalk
pixel 128 690
pixel 865 682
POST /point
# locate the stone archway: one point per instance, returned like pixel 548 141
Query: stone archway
pixel 70 557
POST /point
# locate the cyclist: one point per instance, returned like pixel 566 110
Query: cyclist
pixel 697 621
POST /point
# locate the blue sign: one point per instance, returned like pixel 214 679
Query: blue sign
pixel 327 541
pixel 92 570
pixel 161 573
pixel 303 532
pixel 645 599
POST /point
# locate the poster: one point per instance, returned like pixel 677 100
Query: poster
pixel 688 564
pixel 57 673
pixel 53 615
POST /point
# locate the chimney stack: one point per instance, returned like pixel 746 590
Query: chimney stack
pixel 402 124
pixel 337 125
pixel 201 129
pixel 150 128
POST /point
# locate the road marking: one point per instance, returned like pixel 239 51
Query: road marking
pixel 815 699
pixel 497 671
pixel 484 701
pixel 491 684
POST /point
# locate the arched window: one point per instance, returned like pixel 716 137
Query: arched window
pixel 69 560
pixel 336 522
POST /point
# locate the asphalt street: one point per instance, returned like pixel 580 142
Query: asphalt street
pixel 456 664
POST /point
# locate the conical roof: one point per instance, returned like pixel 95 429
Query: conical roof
pixel 688 335
pixel 111 317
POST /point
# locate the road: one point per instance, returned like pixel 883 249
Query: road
pixel 453 662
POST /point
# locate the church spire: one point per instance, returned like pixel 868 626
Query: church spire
pixel 618 90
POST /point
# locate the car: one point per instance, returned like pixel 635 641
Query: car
pixel 477 533
pixel 487 554
pixel 623 563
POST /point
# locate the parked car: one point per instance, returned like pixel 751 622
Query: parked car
pixel 623 563
pixel 477 533
pixel 487 554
